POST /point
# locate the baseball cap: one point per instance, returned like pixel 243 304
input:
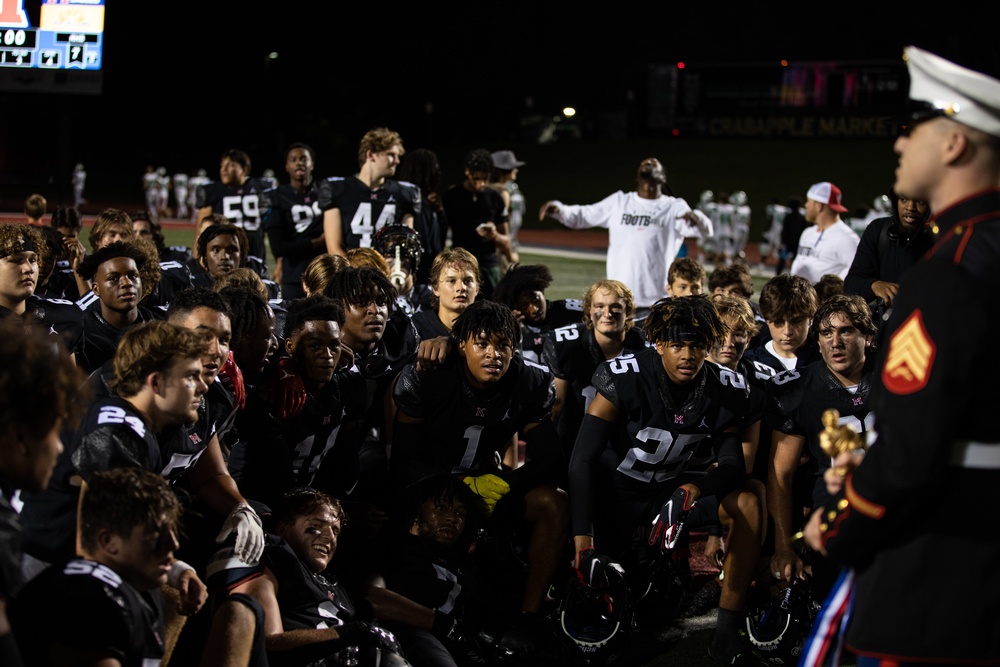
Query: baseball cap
pixel 827 193
pixel 505 160
pixel 950 90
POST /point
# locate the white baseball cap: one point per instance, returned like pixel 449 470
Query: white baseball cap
pixel 965 96
pixel 827 193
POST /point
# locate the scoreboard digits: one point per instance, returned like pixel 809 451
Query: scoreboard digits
pixel 70 34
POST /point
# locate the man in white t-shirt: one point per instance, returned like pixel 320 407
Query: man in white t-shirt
pixel 828 246
pixel 646 229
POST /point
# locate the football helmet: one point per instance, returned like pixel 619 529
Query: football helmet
pixel 402 247
pixel 707 197
pixel 738 198
pixel 597 623
pixel 778 628
pixel 882 204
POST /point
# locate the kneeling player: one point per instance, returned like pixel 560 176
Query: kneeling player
pixel 462 417
pixel 664 411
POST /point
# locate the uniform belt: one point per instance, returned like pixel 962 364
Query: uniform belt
pixel 971 454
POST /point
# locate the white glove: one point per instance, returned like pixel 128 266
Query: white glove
pixel 249 533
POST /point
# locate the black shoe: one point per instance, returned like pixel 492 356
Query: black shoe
pixel 731 649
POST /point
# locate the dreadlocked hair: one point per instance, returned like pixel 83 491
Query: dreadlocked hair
pixel 247 310
pixel 359 286
pixel 694 313
pixel 489 318
pixel 521 278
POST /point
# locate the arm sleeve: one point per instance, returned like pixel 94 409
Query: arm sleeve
pixel 591 441
pixel 590 215
pixel 726 476
pixel 865 267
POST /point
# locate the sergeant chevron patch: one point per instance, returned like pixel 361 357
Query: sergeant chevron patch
pixel 911 356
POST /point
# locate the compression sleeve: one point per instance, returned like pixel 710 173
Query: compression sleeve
pixel 594 435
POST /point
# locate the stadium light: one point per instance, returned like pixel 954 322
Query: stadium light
pixel 569 112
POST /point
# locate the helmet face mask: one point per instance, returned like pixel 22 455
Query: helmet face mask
pixel 597 623
pixel 778 627
pixel 738 198
pixel 402 248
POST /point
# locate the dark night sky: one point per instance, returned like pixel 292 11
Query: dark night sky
pixel 184 81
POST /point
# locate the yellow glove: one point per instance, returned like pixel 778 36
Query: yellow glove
pixel 488 487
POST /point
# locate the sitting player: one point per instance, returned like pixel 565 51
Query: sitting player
pixel 787 304
pixel 522 289
pixel 463 416
pixel 665 411
pixel 454 286
pixel 310 616
pixel 573 352
pixel 686 276
pixel 403 249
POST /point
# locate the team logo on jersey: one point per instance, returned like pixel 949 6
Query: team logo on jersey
pixel 480 412
pixel 678 419
pixel 704 423
pixel 857 400
pixel 911 357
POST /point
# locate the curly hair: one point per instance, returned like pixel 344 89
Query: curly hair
pixel 191 298
pixel 521 278
pixel 479 160
pixel 359 286
pixel 617 288
pixel 489 318
pixel 685 318
pixel 120 499
pixel 40 384
pixel 16 238
pixel 378 140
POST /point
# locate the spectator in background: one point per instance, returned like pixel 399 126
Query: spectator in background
pixel 828 246
pixel 792 226
pixel 505 167
pixel 34 209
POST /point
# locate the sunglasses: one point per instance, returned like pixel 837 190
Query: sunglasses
pixel 920 113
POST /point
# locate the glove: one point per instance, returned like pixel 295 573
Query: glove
pixel 488 487
pixel 287 393
pixel 232 377
pixel 669 523
pixel 591 568
pixel 359 633
pixel 249 533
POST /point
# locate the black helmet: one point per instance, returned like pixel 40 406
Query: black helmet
pixel 598 622
pixel 778 627
pixel 402 247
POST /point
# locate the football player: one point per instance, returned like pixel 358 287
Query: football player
pixel 665 413
pixel 796 400
pixel 293 220
pixel 455 286
pixel 787 303
pixel 464 415
pixel 685 276
pixel 573 352
pixel 236 196
pixel 129 527
pixel 356 208
pixel 522 289
pixel 403 249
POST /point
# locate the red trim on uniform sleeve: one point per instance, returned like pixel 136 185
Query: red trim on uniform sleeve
pixel 861 504
pixel 910 360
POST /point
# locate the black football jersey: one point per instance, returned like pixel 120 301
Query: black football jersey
pixel 59 317
pixel 83 605
pixel 466 430
pixel 363 211
pixel 766 364
pixel 275 455
pixel 99 340
pixel 419 571
pixel 11 539
pixel 558 314
pixel 307 600
pixel 242 206
pixel 291 221
pixel 174 277
pixel 428 324
pixel 572 354
pixel 796 401
pixel 657 439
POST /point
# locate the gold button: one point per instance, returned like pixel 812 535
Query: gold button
pixel 842 505
pixel 824 527
pixel 958 230
pixel 831 516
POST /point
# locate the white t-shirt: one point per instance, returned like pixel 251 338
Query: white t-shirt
pixel 829 251
pixel 644 237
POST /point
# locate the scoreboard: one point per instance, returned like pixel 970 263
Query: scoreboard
pixel 69 34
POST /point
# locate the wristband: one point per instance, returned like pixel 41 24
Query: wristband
pixel 177 568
